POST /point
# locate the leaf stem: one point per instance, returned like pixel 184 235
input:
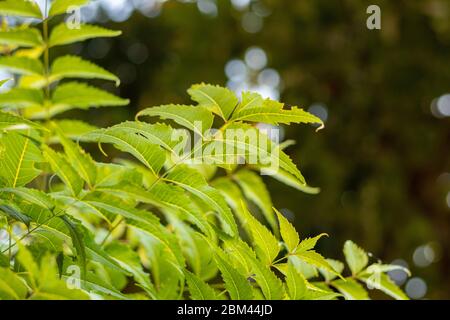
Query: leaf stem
pixel 110 232
pixel 279 260
pixel 9 241
pixel 12 245
pixel 46 61
pixel 47 80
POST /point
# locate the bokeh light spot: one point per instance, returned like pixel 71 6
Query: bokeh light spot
pixel 423 256
pixel 440 107
pixel 448 199
pixel 256 58
pixel 240 4
pixel 252 23
pixel 416 288
pixel 99 48
pixel 137 53
pixel 207 7
pixel 269 77
pixel 320 110
pixel 399 276
pixel 236 70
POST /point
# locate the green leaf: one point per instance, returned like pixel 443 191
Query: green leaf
pixel 169 197
pixel 356 257
pixel 21 37
pixel 174 198
pixel 18 156
pixel 21 8
pixel 151 155
pixel 351 289
pixel 111 205
pixel 130 261
pixel 232 194
pixel 220 101
pixel 83 207
pixel 198 289
pixel 296 283
pixel 236 284
pixel 158 134
pixel 290 180
pixel 110 174
pixel 93 283
pixel 4 260
pixel 21 98
pixel 51 287
pixel 247 142
pixel 73 129
pixel 288 232
pixel 239 254
pixel 62 6
pixel 61 166
pixel 250 100
pixel 79 95
pixel 321 293
pixel 13 212
pixel 10 121
pixel 22 65
pixel 256 191
pixel 309 243
pixel 199 255
pixel 270 284
pixel 32 81
pixel 272 112
pixel 34 196
pixel 383 283
pixel 192 181
pixel 26 260
pixel 81 161
pixel 75 67
pixel 377 267
pixel 265 243
pixel 195 118
pixel 159 233
pixel 315 259
pixel 77 240
pixel 63 34
pixel 12 287
pixel 337 265
pixel 244 260
pixel 47 220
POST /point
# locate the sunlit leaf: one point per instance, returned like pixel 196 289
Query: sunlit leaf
pixel 63 34
pixel 22 8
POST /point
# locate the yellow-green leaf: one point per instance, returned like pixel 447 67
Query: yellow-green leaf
pixel 75 67
pixel 22 65
pixel 265 243
pixel 21 37
pixel 221 101
pixel 62 34
pixel 18 156
pixel 356 257
pixel 288 232
pixel 21 8
pixel 63 6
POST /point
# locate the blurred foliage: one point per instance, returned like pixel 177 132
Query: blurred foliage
pixel 382 151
